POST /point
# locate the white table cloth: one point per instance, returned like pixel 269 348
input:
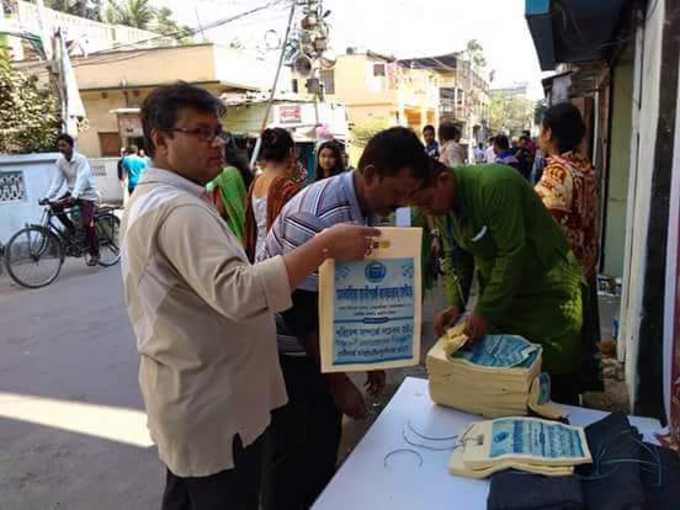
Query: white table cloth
pixel 364 482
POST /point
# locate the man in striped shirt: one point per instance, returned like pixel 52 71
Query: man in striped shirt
pixel 305 434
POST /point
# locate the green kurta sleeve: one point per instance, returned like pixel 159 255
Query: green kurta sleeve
pixel 458 269
pixel 504 211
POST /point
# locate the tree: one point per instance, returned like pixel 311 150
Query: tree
pixel 29 116
pixel 364 131
pixel 166 25
pixel 510 113
pixel 475 53
pixel 539 110
pixel 132 13
pixel 90 9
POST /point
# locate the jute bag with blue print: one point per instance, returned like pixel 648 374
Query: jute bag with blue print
pixel 370 311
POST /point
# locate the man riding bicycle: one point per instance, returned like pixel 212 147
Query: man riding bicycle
pixel 74 169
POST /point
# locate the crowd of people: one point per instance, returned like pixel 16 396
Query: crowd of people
pixel 522 153
pixel 219 267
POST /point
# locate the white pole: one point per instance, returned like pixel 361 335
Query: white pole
pixel 256 151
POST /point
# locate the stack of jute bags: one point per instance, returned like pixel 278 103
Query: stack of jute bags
pixel 496 376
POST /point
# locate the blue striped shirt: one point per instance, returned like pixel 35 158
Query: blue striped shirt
pixel 318 206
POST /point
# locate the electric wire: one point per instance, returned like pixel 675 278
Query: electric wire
pixel 112 55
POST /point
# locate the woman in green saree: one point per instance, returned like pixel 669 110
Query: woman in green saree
pixel 228 190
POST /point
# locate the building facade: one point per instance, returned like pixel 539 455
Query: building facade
pixel 379 91
pixel 113 86
pixel 623 75
pixel 463 93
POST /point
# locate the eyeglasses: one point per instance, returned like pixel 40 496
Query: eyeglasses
pixel 205 134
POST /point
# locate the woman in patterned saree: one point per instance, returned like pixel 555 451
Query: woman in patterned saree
pixel 568 188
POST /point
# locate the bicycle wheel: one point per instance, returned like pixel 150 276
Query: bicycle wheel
pixel 33 257
pixel 108 233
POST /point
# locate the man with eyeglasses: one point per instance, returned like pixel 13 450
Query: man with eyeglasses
pixel 203 316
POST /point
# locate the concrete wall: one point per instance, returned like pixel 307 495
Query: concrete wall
pixel 356 85
pixel 401 94
pixel 643 144
pixel 123 79
pixel 105 171
pixel 98 106
pixel 37 171
pixel 619 166
pixel 146 67
pixel 671 352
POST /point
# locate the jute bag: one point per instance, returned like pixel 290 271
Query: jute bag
pixel 370 311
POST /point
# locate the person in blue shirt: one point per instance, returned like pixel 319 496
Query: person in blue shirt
pixel 134 167
pixel 504 153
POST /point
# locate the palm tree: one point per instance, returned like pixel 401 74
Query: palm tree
pixel 133 13
pixel 166 25
pixel 84 8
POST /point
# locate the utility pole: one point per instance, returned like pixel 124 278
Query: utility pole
pixel 198 21
pixel 312 44
pixel 258 144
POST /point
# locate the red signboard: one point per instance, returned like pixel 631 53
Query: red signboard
pixel 290 114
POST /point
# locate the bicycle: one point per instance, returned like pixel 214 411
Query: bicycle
pixel 35 254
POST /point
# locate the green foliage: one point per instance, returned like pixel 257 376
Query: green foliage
pixel 539 110
pixel 132 13
pixel 141 14
pixel 362 133
pixel 510 113
pixel 475 52
pixel 166 25
pixel 90 9
pixel 29 116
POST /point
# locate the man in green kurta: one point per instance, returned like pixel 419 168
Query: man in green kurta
pixel 529 281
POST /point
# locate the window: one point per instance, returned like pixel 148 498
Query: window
pixel 328 80
pixel 295 86
pixel 110 144
pixel 378 69
pixel 12 187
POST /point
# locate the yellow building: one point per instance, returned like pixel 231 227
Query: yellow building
pixel 379 92
pixel 113 85
pixel 463 93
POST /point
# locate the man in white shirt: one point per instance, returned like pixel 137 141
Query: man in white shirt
pixel 74 170
pixel 490 151
pixel 203 316
pixel 452 153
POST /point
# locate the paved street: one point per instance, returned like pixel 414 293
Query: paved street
pixel 71 428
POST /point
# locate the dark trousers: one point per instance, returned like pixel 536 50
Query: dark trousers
pixel 87 212
pixel 565 389
pixel 302 449
pixel 232 489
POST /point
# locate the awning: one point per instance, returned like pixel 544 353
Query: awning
pixel 122 111
pixel 574 31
